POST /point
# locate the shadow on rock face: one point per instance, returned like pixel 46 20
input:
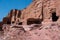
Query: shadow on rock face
pixel 33 21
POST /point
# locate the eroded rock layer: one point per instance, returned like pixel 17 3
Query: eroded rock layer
pixel 39 21
pixel 43 31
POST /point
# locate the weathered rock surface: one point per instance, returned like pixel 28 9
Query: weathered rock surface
pixel 39 21
pixel 49 31
pixel 45 10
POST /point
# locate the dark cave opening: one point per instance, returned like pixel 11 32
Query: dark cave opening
pixel 33 21
pixel 54 17
pixel 20 23
pixel 1 29
pixel 13 22
pixel 19 14
pixel 8 21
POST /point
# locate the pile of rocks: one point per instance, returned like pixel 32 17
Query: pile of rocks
pixel 37 32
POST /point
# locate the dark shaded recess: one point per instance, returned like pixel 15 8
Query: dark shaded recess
pixel 36 26
pixel 15 12
pixel 13 22
pixel 1 23
pixel 54 17
pixel 19 13
pixel 33 21
pixel 21 28
pixel 6 20
pixel 11 13
pixel 17 27
pixel 1 29
pixel 20 23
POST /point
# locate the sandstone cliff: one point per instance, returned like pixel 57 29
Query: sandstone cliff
pixel 39 21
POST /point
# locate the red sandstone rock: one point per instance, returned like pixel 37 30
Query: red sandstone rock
pixel 39 21
pixel 43 32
